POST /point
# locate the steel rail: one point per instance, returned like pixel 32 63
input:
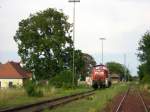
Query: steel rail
pixel 49 104
pixel 145 107
pixel 123 99
pixel 125 96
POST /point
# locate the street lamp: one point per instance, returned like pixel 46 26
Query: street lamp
pixel 102 39
pixel 73 69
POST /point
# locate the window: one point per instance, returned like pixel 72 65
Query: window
pixel 10 84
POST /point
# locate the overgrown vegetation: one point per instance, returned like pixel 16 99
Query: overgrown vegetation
pixel 63 79
pixel 18 96
pixel 145 79
pixel 93 103
pixel 33 89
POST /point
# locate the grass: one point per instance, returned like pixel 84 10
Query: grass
pixel 93 103
pixel 18 96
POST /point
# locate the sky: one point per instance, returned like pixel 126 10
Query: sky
pixel 121 22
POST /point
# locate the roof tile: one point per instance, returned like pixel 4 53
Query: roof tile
pixel 13 70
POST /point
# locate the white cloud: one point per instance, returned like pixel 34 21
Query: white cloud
pixel 111 19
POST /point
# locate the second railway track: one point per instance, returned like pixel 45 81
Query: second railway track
pixel 49 104
pixel 132 101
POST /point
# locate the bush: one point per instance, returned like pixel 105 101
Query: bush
pixel 146 79
pixel 63 79
pixel 32 89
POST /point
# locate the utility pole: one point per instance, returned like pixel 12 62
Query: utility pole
pixel 129 72
pixel 102 39
pixel 125 67
pixel 73 67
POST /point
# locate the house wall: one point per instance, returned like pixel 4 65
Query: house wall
pixel 115 80
pixel 15 82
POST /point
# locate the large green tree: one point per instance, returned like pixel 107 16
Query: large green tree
pixel 144 55
pixel 44 43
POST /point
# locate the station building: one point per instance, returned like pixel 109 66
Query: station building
pixel 115 78
pixel 12 74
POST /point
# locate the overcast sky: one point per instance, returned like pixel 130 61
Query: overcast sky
pixel 121 22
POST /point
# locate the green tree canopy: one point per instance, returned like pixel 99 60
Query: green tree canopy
pixel 117 68
pixel 44 43
pixel 144 55
pixel 89 62
pixel 144 48
pixel 79 62
pixel 142 70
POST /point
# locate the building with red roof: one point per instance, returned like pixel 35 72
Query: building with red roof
pixel 12 74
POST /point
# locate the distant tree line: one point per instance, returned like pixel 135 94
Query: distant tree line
pixel 121 70
pixel 144 57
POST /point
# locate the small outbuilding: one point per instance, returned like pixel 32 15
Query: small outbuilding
pixel 115 78
pixel 12 74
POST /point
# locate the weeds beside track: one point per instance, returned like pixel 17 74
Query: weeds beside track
pixel 37 107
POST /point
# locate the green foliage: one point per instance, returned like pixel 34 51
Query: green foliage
pixel 117 68
pixel 143 70
pixel 89 62
pixel 144 56
pixel 145 79
pixel 144 48
pixel 130 78
pixel 44 43
pixel 32 89
pixel 94 103
pixel 79 62
pixel 13 97
pixel 63 79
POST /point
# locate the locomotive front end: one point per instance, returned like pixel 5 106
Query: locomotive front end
pixel 100 76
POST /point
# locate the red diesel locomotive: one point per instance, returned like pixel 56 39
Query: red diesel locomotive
pixel 100 77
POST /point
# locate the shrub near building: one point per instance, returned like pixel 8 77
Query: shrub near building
pixel 63 79
pixel 32 89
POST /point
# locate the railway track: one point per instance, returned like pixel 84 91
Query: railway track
pixel 49 104
pixel 132 101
